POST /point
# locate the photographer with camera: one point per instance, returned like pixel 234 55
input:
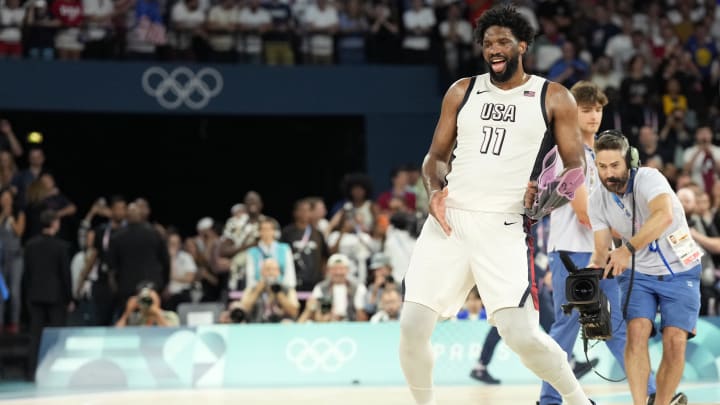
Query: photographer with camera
pixel 143 309
pixel 379 278
pixel 269 300
pixel 664 261
pixel 570 231
pixel 339 297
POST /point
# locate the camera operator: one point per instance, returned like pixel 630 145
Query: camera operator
pixel 143 309
pixel 640 205
pixel 570 231
pixel 269 301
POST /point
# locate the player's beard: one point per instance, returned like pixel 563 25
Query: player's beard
pixel 511 66
pixel 615 184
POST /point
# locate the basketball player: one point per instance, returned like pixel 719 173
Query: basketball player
pixel 640 205
pixel 570 231
pixel 497 127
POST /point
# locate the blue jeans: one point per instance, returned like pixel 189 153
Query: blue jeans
pixel 566 327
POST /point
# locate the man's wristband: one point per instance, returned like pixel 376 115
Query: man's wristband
pixel 630 247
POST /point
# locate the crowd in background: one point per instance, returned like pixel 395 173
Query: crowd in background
pixel 656 60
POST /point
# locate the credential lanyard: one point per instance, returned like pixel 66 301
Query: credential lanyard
pixel 655 247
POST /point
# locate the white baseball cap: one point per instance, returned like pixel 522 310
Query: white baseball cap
pixel 338 258
pixel 205 224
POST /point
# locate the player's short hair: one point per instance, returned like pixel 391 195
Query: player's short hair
pixel 588 93
pixel 508 17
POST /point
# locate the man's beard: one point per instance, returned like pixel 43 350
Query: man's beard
pixel 616 184
pixel 511 66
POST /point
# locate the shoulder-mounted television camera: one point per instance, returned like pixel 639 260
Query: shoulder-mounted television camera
pixel 582 291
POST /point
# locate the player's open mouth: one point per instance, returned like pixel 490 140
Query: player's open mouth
pixel 498 64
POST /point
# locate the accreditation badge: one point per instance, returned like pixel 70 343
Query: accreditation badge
pixel 684 247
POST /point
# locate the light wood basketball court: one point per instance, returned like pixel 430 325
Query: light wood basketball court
pixel 603 394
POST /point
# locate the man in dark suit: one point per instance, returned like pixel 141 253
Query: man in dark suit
pixel 46 281
pixel 137 253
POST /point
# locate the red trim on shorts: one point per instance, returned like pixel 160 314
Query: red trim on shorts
pixel 531 264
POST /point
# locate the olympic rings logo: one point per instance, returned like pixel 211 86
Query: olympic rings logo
pixel 320 354
pixel 182 86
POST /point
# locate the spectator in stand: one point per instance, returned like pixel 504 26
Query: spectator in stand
pixel 182 273
pixel 548 45
pixel 569 69
pixel 390 306
pixel 253 21
pixel 321 24
pixel 384 41
pixel 649 148
pixel 279 37
pixel 357 190
pixel 419 22
pixel 96 280
pixel 702 160
pixel 8 140
pixel 347 238
pixel 203 250
pixel 639 95
pixel 400 239
pixel 40 28
pixel 221 28
pixel 308 246
pixel 399 180
pixel 673 99
pixel 619 47
pixel 12 16
pixel 457 36
pixel 318 213
pixel 353 29
pixel 147 31
pixel 99 36
pixel 242 231
pixel 188 36
pixel 12 226
pixel 604 75
pixel 67 41
pixel 9 175
pixel 61 204
pixel 36 165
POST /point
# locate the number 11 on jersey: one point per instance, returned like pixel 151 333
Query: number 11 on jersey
pixel 492 136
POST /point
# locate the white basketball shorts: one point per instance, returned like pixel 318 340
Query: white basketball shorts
pixel 491 250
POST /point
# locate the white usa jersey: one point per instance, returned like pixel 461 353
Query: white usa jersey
pixel 500 144
pixel 566 232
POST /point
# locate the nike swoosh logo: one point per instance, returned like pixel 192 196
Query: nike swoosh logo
pixel 509 223
pixel 483 91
